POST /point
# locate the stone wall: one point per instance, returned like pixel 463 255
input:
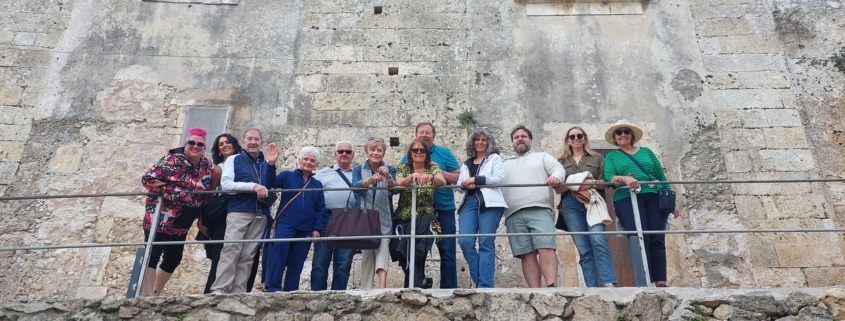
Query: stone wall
pixel 543 304
pixel 92 92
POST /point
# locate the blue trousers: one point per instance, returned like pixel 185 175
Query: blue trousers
pixel 651 219
pixel 288 256
pixel 447 249
pixel 593 249
pixel 325 254
pixel 481 261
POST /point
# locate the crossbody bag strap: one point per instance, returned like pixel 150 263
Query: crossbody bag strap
pixel 339 172
pixel 279 214
pixel 638 165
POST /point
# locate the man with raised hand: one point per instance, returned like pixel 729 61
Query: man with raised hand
pixel 530 209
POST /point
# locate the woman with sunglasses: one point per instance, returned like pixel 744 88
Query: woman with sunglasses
pixel 593 250
pixel 375 173
pixel 420 169
pixel 621 166
pixel 481 209
pixel 180 172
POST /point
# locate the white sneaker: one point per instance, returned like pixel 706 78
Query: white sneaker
pixel 607 285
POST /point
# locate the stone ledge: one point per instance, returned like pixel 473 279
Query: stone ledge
pixel 478 304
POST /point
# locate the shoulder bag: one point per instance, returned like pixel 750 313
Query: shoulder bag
pixel 665 196
pixel 354 222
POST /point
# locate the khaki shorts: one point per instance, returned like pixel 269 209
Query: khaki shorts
pixel 531 220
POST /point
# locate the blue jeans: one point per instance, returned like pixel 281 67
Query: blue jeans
pixel 593 249
pixel 323 255
pixel 481 262
pixel 651 219
pixel 446 248
pixel 288 256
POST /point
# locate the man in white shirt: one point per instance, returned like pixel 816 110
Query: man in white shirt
pixel 530 209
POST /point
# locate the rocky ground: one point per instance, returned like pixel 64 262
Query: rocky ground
pixel 494 304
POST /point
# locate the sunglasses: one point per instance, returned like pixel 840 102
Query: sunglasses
pixel 344 151
pixel 376 139
pixel 576 136
pixel 625 131
pixel 418 150
pixel 197 144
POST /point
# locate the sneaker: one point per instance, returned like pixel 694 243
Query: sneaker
pixel 607 285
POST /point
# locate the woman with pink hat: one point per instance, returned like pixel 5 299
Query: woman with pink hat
pixel 629 165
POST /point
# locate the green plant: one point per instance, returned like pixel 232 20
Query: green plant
pixel 838 59
pixel 621 316
pixel 181 317
pixel 699 313
pixel 467 119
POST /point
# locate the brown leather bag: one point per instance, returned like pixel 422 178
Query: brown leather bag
pixel 354 222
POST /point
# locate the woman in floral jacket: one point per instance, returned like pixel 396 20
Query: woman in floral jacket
pixel 180 172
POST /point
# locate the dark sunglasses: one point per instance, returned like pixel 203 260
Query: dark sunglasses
pixel 344 151
pixel 375 138
pixel 197 144
pixel 578 136
pixel 418 150
pixel 625 131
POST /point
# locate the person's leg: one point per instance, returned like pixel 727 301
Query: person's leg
pixel 216 231
pixel 548 266
pixel 383 262
pixel 601 250
pixel 296 260
pixel 368 268
pixel 447 250
pixel 236 226
pixel 469 220
pixel 575 217
pixel 254 231
pixel 320 266
pixel 523 248
pixel 253 271
pixel 148 285
pixel 278 257
pixel 531 269
pixel 656 242
pixel 541 220
pixel 340 267
pixel 488 223
pixel 171 258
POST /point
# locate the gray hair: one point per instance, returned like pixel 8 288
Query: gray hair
pixel 492 147
pixel 351 145
pixel 309 150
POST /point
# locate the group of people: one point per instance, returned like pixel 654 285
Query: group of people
pixel 528 210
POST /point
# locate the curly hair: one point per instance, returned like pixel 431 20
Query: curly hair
pixel 492 147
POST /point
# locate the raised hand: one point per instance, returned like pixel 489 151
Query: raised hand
pixel 272 154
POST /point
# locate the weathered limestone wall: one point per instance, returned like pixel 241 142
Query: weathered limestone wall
pixel 92 92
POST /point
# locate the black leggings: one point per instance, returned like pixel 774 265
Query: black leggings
pixel 170 255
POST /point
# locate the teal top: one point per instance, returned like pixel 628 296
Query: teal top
pixel 617 164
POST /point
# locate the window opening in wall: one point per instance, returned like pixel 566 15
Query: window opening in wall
pixel 212 119
pixel 392 71
pixel 377 10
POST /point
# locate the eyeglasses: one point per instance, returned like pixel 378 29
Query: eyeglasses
pixel 576 136
pixel 344 151
pixel 418 150
pixel 375 138
pixel 197 144
pixel 626 131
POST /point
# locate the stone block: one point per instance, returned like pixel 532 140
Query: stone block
pixel 763 80
pixel 14 115
pixel 24 38
pixel 778 277
pixel 7 172
pixel 121 207
pixel 341 101
pixel 339 6
pixel 6 36
pixel 741 62
pixel 837 192
pixel 749 208
pixel 12 57
pixel 785 137
pixel 709 45
pixel 91 292
pixel 626 8
pixel 432 83
pixel 311 52
pixel 10 95
pixel 727 118
pixel 738 162
pixel 750 44
pixel 11 151
pixel 343 118
pixel 724 27
pixel 783 117
pixel 742 139
pixel 311 83
pixel 809 255
pixel 801 206
pixel 66 159
pixel 350 83
pixel 754 118
pixel 769 188
pixel 788 98
pixel 746 98
pixel 722 80
pixel 825 276
pixel 786 160
pixel 762 255
pixel 353 67
pixel 15 133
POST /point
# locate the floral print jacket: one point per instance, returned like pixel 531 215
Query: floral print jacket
pixel 174 178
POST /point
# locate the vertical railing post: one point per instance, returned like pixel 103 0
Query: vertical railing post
pixel 149 247
pixel 413 251
pixel 640 235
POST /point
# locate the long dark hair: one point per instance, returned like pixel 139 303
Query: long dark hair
pixel 410 160
pixel 216 156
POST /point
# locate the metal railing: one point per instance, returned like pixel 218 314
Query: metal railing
pixel 135 285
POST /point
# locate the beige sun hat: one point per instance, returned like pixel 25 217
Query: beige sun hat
pixel 638 133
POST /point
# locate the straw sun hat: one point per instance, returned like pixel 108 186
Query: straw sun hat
pixel 638 133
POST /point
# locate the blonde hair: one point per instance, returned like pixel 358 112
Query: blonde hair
pixel 373 143
pixel 567 150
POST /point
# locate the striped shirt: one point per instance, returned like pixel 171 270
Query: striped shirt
pixel 617 164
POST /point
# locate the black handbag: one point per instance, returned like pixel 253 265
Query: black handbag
pixel 216 210
pixel 665 196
